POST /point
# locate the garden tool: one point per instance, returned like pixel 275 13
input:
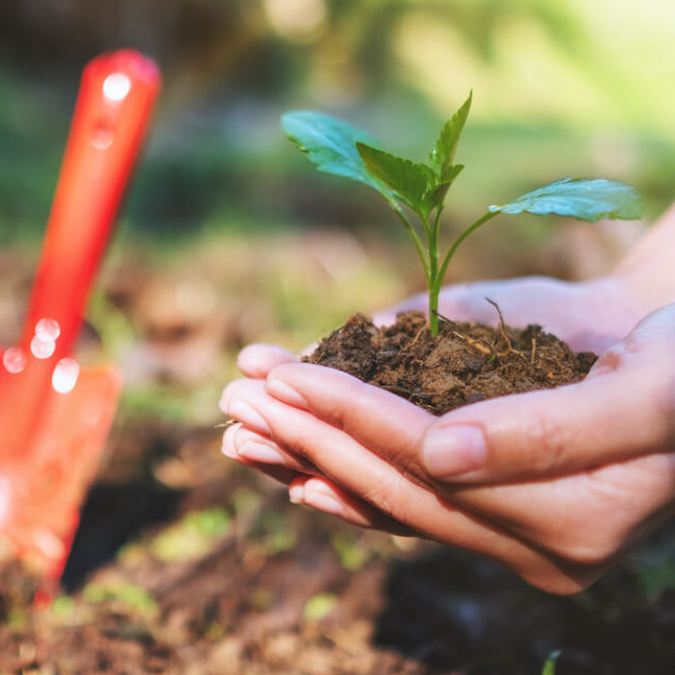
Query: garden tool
pixel 54 417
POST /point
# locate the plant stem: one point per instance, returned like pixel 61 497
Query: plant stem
pixel 436 282
pixel 433 270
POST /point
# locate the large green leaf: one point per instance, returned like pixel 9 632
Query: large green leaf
pixel 588 200
pixel 331 145
pixel 443 153
pixel 409 181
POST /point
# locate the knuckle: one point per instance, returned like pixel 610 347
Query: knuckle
pixel 341 409
pixel 546 441
pixel 387 499
pixel 609 361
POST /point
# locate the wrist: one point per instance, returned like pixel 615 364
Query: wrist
pixel 647 274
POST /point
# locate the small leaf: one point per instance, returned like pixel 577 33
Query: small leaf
pixel 588 200
pixel 331 145
pixel 443 153
pixel 436 194
pixel 549 666
pixel 319 606
pixel 408 180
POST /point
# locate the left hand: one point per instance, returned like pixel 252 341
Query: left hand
pixel 554 484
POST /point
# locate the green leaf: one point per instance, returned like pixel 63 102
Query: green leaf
pixel 588 200
pixel 436 195
pixel 408 180
pixel 331 145
pixel 549 666
pixel 319 606
pixel 443 153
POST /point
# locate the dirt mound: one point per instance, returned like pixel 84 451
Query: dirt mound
pixel 467 362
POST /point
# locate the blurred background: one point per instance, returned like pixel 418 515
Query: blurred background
pixel 185 563
pixel 230 236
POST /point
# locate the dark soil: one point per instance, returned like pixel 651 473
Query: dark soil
pixel 465 363
pixel 286 590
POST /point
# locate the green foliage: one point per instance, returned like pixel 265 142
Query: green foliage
pixel 338 148
pixel 443 153
pixel 409 181
pixel 319 606
pixel 126 593
pixel 331 145
pixel 588 200
pixel 351 550
pixel 549 666
pixel 656 579
pixel 63 606
pixel 191 537
pixel 278 534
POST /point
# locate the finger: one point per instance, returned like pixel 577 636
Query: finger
pixel 254 447
pixel 379 420
pixel 587 519
pixel 321 494
pixel 278 473
pixel 247 416
pixel 348 464
pixel 624 409
pixel 257 360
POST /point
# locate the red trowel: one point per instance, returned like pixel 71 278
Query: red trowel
pixel 54 416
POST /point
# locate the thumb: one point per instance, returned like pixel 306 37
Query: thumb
pixel 624 409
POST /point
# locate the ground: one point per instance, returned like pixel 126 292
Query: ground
pixel 185 563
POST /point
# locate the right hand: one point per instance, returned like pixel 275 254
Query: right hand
pixel 589 315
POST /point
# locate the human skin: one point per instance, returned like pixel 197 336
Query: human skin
pixel 556 485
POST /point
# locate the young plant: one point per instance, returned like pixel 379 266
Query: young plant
pixel 343 150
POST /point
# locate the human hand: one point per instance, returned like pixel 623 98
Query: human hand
pixel 589 315
pixel 554 484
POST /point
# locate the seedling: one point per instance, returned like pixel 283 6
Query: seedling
pixel 338 148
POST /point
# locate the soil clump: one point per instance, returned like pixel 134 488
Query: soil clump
pixel 466 363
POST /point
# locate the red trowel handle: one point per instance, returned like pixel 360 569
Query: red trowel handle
pixel 116 97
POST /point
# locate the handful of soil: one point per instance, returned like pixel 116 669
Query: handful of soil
pixel 467 362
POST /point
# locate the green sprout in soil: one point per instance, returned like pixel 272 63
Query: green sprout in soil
pixel 338 148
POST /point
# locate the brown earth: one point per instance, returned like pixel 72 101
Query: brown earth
pixel 284 590
pixel 288 591
pixel 465 363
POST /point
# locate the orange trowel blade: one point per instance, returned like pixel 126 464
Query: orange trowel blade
pixel 42 490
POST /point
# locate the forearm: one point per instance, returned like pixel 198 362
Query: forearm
pixel 649 269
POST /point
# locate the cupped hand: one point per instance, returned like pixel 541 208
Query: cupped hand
pixel 554 484
pixel 589 315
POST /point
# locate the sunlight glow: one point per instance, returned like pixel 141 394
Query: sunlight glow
pixel 296 19
pixel 14 360
pixel 116 86
pixel 47 330
pixel 42 349
pixel 64 377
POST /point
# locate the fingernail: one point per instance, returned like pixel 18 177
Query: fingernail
pixel 228 446
pixel 284 392
pixel 296 493
pixel 224 400
pixel 260 452
pixel 244 413
pixel 454 450
pixel 228 450
pixel 324 502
